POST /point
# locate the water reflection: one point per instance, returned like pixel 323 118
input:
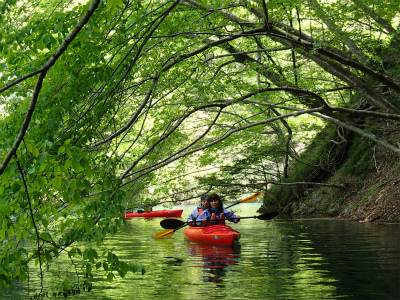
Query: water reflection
pixel 279 259
pixel 213 259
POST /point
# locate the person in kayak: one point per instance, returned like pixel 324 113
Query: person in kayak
pixel 215 212
pixel 148 208
pixel 198 210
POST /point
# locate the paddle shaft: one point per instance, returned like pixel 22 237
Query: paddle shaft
pixel 248 199
pixel 223 219
pixel 233 204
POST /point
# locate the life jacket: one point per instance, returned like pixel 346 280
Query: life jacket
pixel 221 216
pixel 218 222
pixel 212 218
pixel 194 224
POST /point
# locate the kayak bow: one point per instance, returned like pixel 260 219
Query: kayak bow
pixel 214 234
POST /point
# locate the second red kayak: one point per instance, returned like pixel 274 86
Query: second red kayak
pixel 214 234
pixel 168 213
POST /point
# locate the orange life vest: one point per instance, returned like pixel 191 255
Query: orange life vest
pixel 221 222
pixel 200 210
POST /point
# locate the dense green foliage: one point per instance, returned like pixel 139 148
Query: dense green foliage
pixel 113 104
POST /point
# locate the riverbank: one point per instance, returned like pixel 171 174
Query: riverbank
pixel 369 176
pixel 373 199
pixel 378 200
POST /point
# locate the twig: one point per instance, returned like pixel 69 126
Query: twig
pixel 33 221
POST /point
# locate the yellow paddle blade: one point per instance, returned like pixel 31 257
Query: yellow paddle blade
pixel 251 198
pixel 164 234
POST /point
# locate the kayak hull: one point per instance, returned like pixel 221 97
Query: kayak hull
pixel 168 213
pixel 214 234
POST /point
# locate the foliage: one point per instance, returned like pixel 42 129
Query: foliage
pixel 316 162
pixel 358 162
pixel 104 101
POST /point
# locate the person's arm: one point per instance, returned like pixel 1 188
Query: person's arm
pixel 202 218
pixel 193 216
pixel 231 216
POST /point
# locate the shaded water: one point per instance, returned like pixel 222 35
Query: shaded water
pixel 275 259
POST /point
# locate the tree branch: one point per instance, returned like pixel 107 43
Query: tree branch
pixel 42 74
pixel 217 140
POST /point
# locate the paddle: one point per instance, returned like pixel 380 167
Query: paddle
pixel 173 225
pixel 166 233
pixel 248 199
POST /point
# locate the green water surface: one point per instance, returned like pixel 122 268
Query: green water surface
pixel 275 259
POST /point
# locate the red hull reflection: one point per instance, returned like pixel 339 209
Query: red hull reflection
pixel 215 259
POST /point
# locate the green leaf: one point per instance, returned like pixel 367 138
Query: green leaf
pixel 88 268
pixel 57 182
pixel 61 149
pixel 89 173
pixel 91 256
pixel 45 235
pixel 7 211
pixel 29 147
pixel 110 277
pixel 49 258
pixel 10 232
pixel 77 167
pixel 72 185
pixel 68 164
pixel 13 167
pixel 35 152
pixel 21 273
pixel 55 251
pixel 86 254
pixel 110 258
pixel 19 234
pixel 40 182
pixel 121 273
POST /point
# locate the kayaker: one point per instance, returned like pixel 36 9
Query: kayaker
pixel 148 208
pixel 198 210
pixel 215 212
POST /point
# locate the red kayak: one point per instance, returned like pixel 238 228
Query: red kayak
pixel 214 234
pixel 168 213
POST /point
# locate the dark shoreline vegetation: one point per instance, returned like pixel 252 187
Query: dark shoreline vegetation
pixel 358 183
pixel 109 106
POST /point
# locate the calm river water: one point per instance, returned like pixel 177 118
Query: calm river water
pixel 275 259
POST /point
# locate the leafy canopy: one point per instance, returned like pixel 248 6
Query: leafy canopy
pixel 103 101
